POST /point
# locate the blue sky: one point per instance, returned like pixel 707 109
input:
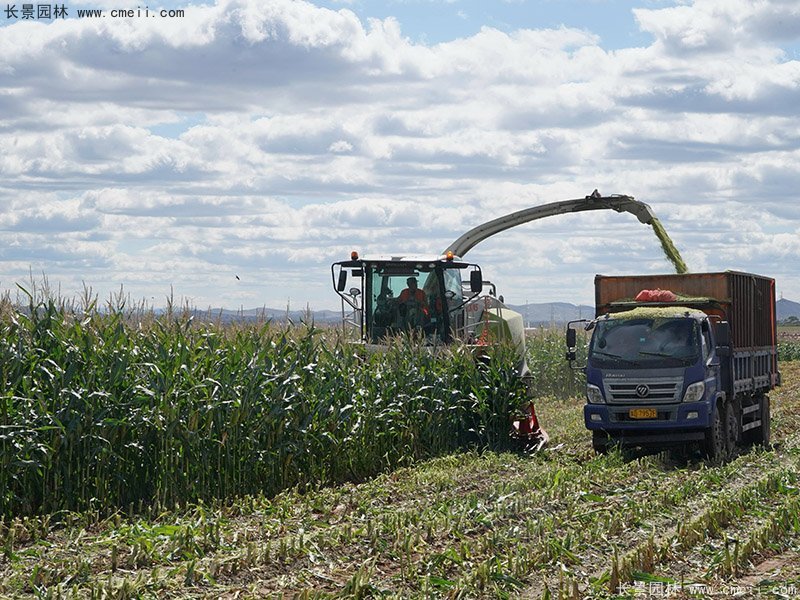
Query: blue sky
pixel 428 21
pixel 268 139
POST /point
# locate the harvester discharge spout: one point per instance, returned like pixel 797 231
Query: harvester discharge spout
pixel 594 201
pixel 640 210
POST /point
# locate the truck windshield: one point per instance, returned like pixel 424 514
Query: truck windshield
pixel 645 342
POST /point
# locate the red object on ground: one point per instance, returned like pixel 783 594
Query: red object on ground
pixel 528 431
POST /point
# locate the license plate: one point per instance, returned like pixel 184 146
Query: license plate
pixel 643 413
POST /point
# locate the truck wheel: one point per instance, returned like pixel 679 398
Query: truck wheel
pixel 680 454
pixel 762 433
pixel 600 442
pixel 731 428
pixel 716 444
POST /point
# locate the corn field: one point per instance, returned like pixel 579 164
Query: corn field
pixel 103 411
pixel 153 457
pixel 562 523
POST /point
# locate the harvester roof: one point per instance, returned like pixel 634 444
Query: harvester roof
pixel 415 258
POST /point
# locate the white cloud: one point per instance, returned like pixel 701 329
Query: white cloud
pixel 722 25
pixel 314 132
pixel 340 146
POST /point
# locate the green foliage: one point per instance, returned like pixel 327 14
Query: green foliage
pixel 100 410
pixel 550 371
pixel 789 350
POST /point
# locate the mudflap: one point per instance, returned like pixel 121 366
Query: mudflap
pixel 527 432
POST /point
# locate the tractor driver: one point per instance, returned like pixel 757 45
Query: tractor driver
pixel 414 297
pixel 412 292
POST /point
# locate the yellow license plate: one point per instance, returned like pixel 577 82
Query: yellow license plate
pixel 643 413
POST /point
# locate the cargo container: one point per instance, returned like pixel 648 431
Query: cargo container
pixel 680 359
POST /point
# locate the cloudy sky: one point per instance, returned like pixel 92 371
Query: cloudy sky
pixel 266 139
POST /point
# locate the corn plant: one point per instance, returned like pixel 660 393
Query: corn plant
pixel 551 373
pixel 788 350
pixel 103 410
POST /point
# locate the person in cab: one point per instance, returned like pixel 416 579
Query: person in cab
pixel 413 304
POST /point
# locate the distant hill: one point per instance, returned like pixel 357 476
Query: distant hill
pixel 276 315
pixel 786 308
pixel 534 315
pixel 561 312
pixel 547 313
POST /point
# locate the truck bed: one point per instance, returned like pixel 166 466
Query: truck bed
pixel 745 300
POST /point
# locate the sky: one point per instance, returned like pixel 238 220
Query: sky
pixel 228 155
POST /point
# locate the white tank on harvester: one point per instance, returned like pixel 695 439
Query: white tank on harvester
pixel 444 298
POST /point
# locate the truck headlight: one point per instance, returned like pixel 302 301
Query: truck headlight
pixel 695 392
pixel 594 395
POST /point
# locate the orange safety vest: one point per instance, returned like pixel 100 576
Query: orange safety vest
pixel 419 296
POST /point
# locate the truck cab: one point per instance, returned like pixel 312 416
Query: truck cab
pixel 655 368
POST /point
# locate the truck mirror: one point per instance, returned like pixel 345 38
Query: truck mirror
pixel 342 282
pixel 572 339
pixel 723 333
pixel 572 344
pixel 475 281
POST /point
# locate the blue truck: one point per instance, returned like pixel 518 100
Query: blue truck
pixel 679 361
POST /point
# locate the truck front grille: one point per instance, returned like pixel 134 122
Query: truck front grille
pixel 644 391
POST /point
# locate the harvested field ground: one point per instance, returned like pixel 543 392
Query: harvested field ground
pixel 562 522
pixel 788 333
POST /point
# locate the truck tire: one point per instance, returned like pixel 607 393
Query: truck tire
pixel 732 412
pixel 716 443
pixel 600 442
pixel 762 434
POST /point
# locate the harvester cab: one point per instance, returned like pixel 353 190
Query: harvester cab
pixel 382 296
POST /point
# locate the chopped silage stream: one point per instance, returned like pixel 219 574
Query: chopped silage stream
pixel 479 525
pixel 668 246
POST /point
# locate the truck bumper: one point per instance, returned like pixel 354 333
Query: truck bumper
pixel 673 422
